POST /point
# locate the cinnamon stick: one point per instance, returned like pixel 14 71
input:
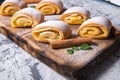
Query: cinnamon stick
pixel 32 1
pixel 69 42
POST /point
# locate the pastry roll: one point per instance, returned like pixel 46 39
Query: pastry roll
pixel 75 15
pixel 97 27
pixel 48 7
pixel 10 7
pixel 51 30
pixel 27 17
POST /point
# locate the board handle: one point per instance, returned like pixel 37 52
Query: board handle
pixel 115 32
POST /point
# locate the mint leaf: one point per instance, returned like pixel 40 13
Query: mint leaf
pixel 70 51
pixel 75 48
pixel 32 6
pixel 85 47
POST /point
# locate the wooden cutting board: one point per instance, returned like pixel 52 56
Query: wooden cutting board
pixel 59 59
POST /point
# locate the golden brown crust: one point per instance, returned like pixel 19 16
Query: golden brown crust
pixel 75 15
pixel 48 7
pixel 9 8
pixel 27 17
pixel 97 27
pixel 51 30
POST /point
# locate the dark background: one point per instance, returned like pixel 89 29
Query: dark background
pixel 1 1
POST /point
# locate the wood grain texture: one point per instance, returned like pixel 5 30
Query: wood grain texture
pixel 59 59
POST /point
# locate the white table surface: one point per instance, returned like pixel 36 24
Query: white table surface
pixel 16 64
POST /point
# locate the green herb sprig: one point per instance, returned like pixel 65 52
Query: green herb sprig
pixel 85 47
pixel 77 48
pixel 70 51
pixel 32 6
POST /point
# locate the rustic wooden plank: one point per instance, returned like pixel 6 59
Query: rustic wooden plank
pixel 58 59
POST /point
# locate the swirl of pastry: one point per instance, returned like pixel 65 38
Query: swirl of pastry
pixel 97 28
pixel 75 15
pixel 48 7
pixel 51 30
pixel 27 17
pixel 10 7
